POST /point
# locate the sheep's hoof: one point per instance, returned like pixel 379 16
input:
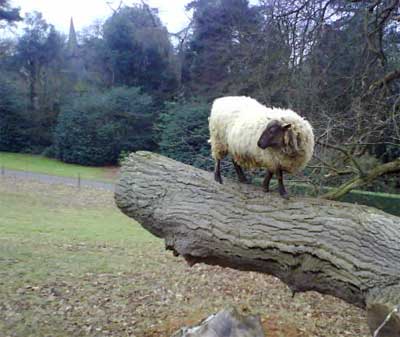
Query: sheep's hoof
pixel 284 195
pixel 218 178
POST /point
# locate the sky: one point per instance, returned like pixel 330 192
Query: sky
pixel 84 12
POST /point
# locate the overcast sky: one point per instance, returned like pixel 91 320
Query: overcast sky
pixel 84 12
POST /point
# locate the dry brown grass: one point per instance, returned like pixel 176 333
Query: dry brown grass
pixel 72 265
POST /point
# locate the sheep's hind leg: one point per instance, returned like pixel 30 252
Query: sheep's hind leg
pixel 239 172
pixel 217 171
pixel 266 181
pixel 281 187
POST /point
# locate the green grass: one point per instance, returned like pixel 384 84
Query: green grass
pixel 40 164
pixel 71 264
pixel 58 237
pixel 44 233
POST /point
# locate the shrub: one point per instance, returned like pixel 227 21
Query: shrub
pixel 95 128
pixel 184 133
pixel 13 122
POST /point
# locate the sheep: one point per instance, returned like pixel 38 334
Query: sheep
pixel 259 137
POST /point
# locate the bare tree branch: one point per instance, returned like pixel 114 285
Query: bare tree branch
pixel 360 181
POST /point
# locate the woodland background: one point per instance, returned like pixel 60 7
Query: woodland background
pixel 128 84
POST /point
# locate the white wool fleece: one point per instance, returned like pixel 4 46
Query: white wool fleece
pixel 236 124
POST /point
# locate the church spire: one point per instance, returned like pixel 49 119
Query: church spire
pixel 75 66
pixel 72 41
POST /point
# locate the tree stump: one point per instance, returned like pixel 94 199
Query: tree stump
pixel 226 323
pixel 345 250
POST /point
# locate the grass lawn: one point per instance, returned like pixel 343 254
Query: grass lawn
pixel 72 265
pixel 40 164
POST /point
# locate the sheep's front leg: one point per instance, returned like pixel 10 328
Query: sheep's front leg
pixel 217 171
pixel 239 172
pixel 266 181
pixel 281 187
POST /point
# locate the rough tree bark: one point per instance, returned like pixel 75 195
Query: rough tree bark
pixel 345 250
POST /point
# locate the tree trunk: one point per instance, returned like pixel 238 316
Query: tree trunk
pixel 345 250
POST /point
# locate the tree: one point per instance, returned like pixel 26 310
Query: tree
pixel 39 47
pixel 13 121
pixel 183 131
pixel 139 52
pixel 95 128
pixel 38 58
pixel 213 58
pixel 348 251
pixel 96 57
pixel 341 78
pixel 8 14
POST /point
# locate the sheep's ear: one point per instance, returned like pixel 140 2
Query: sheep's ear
pixel 286 126
pixel 291 140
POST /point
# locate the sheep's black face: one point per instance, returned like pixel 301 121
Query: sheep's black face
pixel 273 135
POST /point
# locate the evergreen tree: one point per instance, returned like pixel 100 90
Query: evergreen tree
pixel 139 52
pixel 95 128
pixel 13 121
pixel 184 133
pixel 213 60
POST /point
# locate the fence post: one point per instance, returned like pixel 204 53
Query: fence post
pixel 79 181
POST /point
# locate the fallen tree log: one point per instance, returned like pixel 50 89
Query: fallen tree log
pixel 345 250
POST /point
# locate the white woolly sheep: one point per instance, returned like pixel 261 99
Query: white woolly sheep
pixel 256 136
